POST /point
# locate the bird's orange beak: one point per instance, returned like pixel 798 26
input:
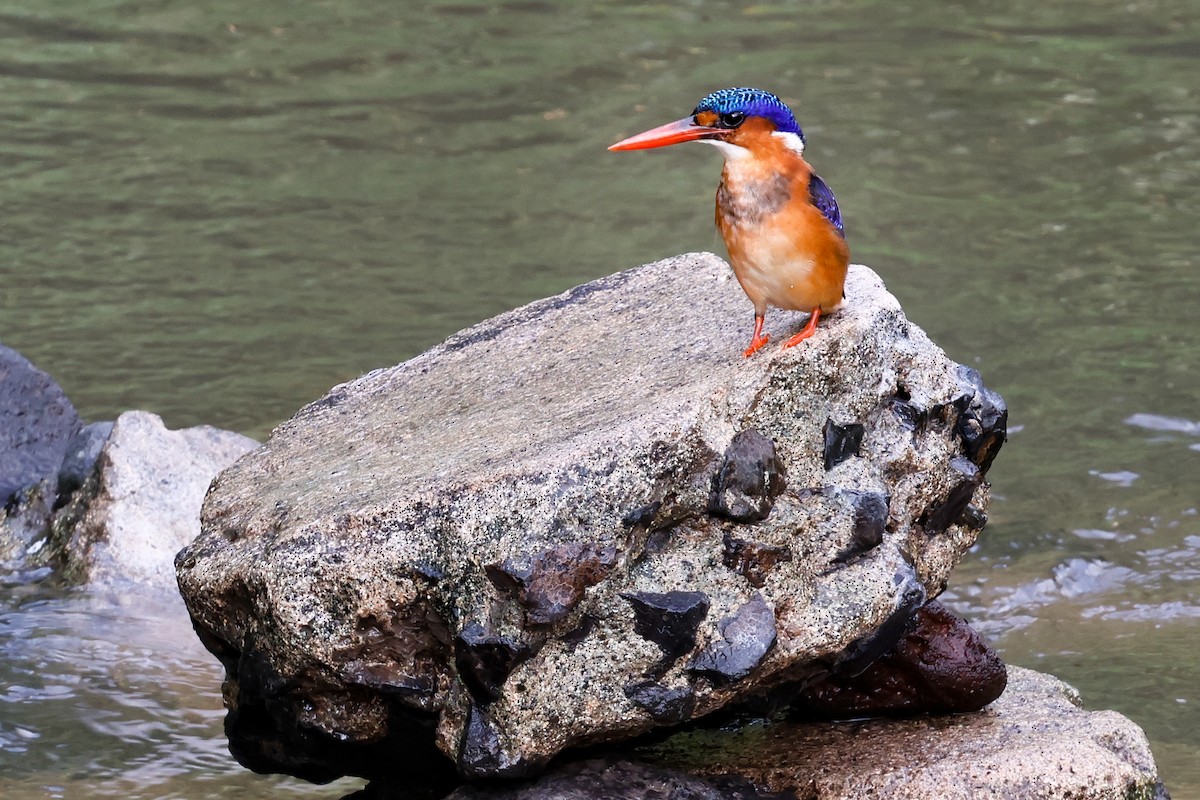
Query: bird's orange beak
pixel 683 130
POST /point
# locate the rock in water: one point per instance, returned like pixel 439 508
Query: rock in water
pixel 37 422
pixel 141 503
pixel 1036 742
pixel 538 534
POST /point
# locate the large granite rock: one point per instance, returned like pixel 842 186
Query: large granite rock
pixel 1034 743
pixel 141 501
pixel 583 519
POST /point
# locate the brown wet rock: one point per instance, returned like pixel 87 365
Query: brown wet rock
pixel 750 478
pixel 937 664
pixel 513 487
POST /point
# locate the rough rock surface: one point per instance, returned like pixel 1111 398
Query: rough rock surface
pixel 551 530
pixel 141 503
pixel 1034 743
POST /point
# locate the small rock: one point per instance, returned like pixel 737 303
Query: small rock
pixel 1033 743
pixel 669 619
pixel 142 504
pixel 746 637
pixel 841 442
pixel 666 705
pixel 749 480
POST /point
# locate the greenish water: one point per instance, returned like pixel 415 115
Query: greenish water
pixel 217 211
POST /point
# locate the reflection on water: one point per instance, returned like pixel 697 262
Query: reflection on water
pixel 216 211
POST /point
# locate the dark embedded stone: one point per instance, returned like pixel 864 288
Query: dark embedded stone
pixel 972 518
pixel 909 415
pixel 865 651
pixel 667 706
pixel 669 619
pixel 940 516
pixel 37 422
pixel 485 659
pixel 870 523
pixel 746 638
pixel 938 665
pixel 841 442
pixel 642 516
pixel 982 420
pixel 750 478
pixel 80 458
pixel 480 754
pixel 753 559
pixel 553 583
pixel 509 576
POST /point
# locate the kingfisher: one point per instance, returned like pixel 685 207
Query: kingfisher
pixel 780 222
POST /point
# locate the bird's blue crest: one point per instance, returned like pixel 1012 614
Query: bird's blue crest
pixel 752 103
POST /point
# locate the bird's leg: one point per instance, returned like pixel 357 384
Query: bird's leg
pixel 808 331
pixel 759 338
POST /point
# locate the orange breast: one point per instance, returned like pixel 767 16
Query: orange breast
pixel 784 251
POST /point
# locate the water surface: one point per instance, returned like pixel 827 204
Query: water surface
pixel 217 211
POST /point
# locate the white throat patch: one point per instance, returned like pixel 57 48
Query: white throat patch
pixel 732 152
pixel 791 141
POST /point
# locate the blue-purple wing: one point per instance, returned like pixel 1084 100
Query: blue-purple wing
pixel 822 197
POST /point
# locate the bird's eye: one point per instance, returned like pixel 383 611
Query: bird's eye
pixel 731 119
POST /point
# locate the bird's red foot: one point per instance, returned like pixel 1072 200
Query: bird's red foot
pixel 758 338
pixel 808 331
pixel 756 344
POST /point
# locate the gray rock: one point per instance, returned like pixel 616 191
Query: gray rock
pixel 390 555
pixel 1034 743
pixel 36 423
pixel 142 502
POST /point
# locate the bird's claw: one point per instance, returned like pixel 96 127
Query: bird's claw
pixel 756 344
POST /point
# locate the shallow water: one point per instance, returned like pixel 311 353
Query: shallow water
pixel 217 211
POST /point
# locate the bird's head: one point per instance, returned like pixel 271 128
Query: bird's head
pixel 739 121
